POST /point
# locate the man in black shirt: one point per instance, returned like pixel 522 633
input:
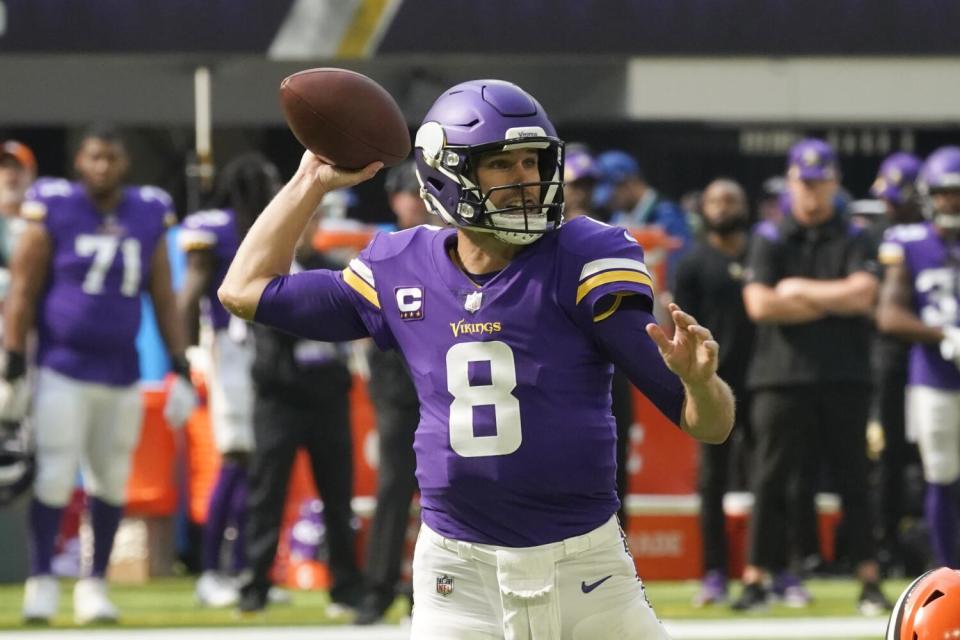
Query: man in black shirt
pixel 811 287
pixel 710 281
pixel 302 400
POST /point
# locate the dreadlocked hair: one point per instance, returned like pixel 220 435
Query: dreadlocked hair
pixel 246 184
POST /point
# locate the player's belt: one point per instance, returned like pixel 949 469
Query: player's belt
pixel 606 534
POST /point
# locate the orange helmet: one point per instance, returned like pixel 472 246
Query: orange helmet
pixel 928 609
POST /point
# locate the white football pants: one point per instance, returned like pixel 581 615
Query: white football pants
pixel 933 421
pixel 86 426
pixel 583 588
pixel 230 389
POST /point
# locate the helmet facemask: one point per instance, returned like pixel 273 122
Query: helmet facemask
pixel 522 222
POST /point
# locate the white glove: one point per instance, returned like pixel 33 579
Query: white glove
pixel 14 399
pixel 950 345
pixel 181 402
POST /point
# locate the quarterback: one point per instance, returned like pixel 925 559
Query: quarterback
pixel 510 322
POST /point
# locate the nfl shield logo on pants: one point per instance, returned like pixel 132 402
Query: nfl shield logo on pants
pixel 444 585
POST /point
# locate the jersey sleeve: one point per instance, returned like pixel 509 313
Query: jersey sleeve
pixel 623 339
pixel 202 231
pixel 162 202
pixel 358 278
pixel 892 251
pixel 41 198
pixel 311 304
pixel 607 267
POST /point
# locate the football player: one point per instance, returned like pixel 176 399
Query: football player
pixel 895 187
pixel 509 322
pixel 919 302
pixel 88 252
pixel 210 239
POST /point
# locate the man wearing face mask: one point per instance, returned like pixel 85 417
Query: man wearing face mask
pixel 710 281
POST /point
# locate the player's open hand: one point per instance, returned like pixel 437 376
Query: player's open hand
pixel 331 177
pixel 692 354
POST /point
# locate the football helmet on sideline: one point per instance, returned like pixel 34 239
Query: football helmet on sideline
pixel 928 609
pixel 17 462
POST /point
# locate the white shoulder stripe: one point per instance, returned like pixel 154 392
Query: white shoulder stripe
pixel 606 264
pixel 362 270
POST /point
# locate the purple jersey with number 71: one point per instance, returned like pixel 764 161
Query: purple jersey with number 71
pixel 89 313
pixel 515 444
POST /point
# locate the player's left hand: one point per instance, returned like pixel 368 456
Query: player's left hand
pixel 692 354
pixel 181 402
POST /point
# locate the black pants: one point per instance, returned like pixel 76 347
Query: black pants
pixel 323 429
pixel 797 425
pixel 396 484
pixel 897 453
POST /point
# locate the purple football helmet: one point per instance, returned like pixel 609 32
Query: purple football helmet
pixel 941 172
pixel 477 117
pixel 896 178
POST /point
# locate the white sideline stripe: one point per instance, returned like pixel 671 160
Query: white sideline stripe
pixel 753 629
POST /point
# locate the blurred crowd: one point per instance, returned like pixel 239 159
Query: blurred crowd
pixel 836 316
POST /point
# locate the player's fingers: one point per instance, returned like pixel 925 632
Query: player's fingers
pixel 682 319
pixel 701 332
pixel 712 347
pixel 659 337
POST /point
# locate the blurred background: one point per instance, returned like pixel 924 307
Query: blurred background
pixel 694 88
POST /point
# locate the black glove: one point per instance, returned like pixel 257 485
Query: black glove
pixel 15 366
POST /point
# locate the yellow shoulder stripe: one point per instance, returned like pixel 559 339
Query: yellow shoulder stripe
pixel 360 285
pixel 592 283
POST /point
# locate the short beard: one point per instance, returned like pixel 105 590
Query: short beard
pixel 727 227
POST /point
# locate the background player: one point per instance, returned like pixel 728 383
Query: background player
pixel 210 239
pixel 91 249
pixel 515 448
pixel 919 303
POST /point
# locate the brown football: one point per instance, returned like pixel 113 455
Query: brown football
pixel 344 117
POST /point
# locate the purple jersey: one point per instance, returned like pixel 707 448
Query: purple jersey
pixel 936 296
pixel 515 444
pixel 213 230
pixel 88 315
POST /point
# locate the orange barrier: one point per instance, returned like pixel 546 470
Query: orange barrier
pixel 151 489
pixel 202 463
pixel 331 239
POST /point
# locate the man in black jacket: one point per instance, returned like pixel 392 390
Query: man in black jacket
pixel 301 401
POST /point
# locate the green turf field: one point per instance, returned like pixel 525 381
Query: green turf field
pixel 169 602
